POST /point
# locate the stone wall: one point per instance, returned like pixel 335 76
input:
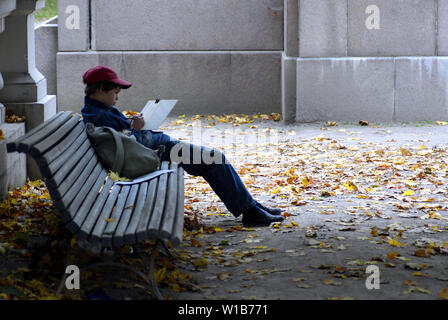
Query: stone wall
pixel 379 60
pixel 312 60
pixel 46 38
pixel 215 56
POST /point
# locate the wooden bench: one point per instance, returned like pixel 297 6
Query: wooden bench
pixel 93 206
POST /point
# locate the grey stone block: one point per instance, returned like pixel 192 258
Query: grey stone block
pixel 2 113
pixel 74 28
pixel 345 89
pixel 289 89
pixel 46 37
pixel 187 25
pixel 6 7
pixel 71 67
pixel 12 165
pixel 203 82
pixel 442 27
pixel 322 28
pixel 291 27
pixel 35 113
pixel 407 28
pixel 421 89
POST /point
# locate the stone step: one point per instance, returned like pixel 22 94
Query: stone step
pixel 12 165
pixel 383 89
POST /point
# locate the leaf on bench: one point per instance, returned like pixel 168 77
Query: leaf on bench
pixel 115 177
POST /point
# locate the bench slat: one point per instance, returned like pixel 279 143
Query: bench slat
pixel 14 146
pixel 92 217
pixel 84 210
pixel 116 215
pixel 178 228
pixel 26 144
pixel 118 237
pixel 64 202
pixel 62 146
pixel 159 205
pixel 64 185
pixel 57 178
pixel 129 235
pixel 166 227
pixel 79 147
pixel 54 138
pixel 101 223
pixel 70 203
pixel 147 209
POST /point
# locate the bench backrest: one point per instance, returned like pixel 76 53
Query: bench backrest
pixel 67 161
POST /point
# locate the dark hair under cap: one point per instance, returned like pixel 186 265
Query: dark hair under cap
pixel 94 87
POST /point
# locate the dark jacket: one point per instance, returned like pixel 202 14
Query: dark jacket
pixel 102 115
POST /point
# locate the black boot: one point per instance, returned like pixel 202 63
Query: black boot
pixel 274 212
pixel 257 217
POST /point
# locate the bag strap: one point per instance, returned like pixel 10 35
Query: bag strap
pixel 119 151
pixel 145 177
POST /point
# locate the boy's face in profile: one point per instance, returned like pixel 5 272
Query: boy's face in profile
pixel 108 97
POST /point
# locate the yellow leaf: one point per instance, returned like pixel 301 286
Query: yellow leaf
pixel 110 220
pixel 351 186
pixel 396 243
pixel 115 177
pixel 392 255
pixel 405 152
pixel 331 282
pixel 276 190
pixel 160 274
pixel 420 253
pixel 306 181
pixel 443 294
pixel 419 274
pixel 200 263
pixel 408 193
pixel 196 243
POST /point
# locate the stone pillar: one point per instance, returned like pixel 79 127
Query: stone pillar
pixel 25 88
pixel 2 107
pixel 289 59
pixel 12 165
pixel 6 7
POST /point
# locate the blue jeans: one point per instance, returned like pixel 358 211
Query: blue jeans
pixel 220 175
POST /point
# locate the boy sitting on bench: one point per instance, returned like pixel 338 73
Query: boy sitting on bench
pixel 102 89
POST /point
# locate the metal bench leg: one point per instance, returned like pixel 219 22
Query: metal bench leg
pixel 64 276
pixel 159 244
pixel 152 269
pixel 165 247
pixel 152 282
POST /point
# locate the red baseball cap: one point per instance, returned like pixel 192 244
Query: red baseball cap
pixel 104 73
